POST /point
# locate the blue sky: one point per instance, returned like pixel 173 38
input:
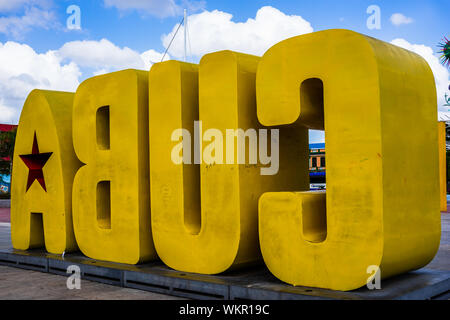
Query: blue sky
pixel 117 34
pixel 141 30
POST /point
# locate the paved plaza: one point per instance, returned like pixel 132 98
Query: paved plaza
pixel 23 284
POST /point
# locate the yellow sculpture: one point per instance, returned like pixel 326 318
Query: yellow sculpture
pixel 381 207
pixel 127 136
pixel 204 217
pixel 111 197
pixel 43 171
pixel 443 165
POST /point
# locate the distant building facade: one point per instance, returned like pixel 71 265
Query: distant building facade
pixel 317 163
pixel 5 180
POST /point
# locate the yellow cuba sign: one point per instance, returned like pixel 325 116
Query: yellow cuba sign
pixel 133 167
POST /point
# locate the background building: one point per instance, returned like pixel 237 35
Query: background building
pixel 7 135
pixel 317 174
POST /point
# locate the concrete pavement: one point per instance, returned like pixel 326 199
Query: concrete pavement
pixel 24 284
pixel 18 284
pixel 4 215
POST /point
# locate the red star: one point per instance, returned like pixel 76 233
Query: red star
pixel 35 162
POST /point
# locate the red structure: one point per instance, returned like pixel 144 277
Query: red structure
pixel 6 128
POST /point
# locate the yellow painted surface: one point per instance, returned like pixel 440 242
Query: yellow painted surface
pixel 375 101
pixel 443 165
pixel 39 215
pixel 204 217
pixel 382 198
pixel 111 197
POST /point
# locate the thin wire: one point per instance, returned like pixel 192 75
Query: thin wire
pixel 168 47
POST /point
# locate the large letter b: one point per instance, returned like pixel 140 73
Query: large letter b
pixel 111 205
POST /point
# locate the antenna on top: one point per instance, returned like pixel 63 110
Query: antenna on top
pixel 183 22
pixel 185 35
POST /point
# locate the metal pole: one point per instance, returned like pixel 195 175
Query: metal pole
pixel 185 35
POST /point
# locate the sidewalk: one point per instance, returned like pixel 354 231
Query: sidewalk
pixel 24 284
pixel 5 215
pixel 20 284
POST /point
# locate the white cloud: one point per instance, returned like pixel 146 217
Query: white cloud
pixel 151 56
pixel 8 5
pixel 159 8
pixel 7 114
pixel 33 17
pixel 212 31
pixel 12 5
pixel 398 19
pixel 100 72
pixel 103 56
pixel 22 70
pixel 440 72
